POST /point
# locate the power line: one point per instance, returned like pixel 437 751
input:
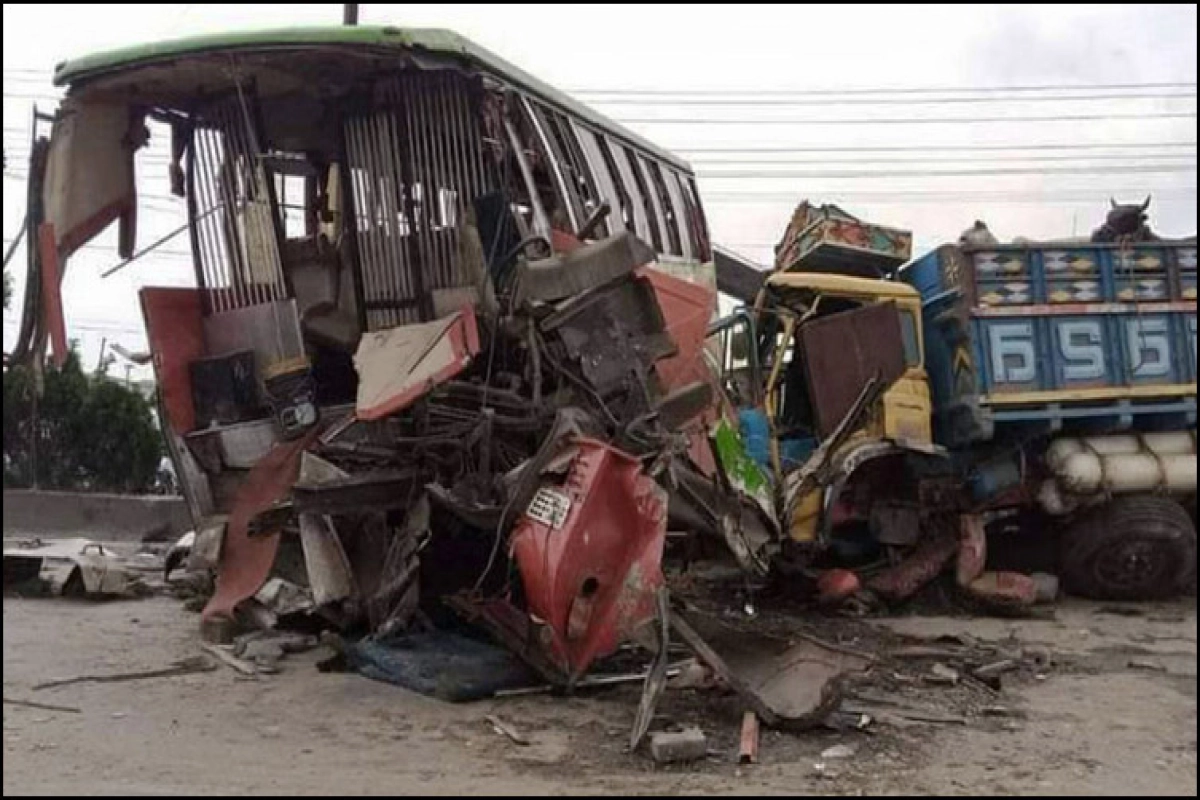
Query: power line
pixel 1137 169
pixel 903 120
pixel 855 101
pixel 1131 157
pixel 939 196
pixel 897 89
pixel 925 147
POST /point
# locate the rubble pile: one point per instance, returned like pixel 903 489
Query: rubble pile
pixel 510 469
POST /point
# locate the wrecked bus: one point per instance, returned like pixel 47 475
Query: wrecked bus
pixel 333 179
pixel 432 294
pixel 904 410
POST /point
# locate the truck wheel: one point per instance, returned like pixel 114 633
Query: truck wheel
pixel 1133 548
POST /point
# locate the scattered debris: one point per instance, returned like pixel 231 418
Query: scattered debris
pixel 839 751
pixel 995 669
pixel 748 742
pixel 230 660
pixel 179 555
pixel 186 666
pixel 668 747
pixel 70 567
pixel 943 675
pixel 788 684
pixel 11 701
pixel 505 729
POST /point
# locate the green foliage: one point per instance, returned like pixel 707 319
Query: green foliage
pixel 92 433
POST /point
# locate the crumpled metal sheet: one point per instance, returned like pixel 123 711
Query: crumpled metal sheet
pixel 398 365
pixel 586 267
pixel 246 561
pixel 791 684
pixel 589 551
pixel 101 570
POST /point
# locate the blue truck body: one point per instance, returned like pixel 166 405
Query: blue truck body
pixel 1027 340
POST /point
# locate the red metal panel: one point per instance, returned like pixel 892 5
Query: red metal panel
pixel 176 337
pixel 411 348
pixel 246 561
pixel 592 573
pixel 687 309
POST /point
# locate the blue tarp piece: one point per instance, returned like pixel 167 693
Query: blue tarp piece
pixel 440 664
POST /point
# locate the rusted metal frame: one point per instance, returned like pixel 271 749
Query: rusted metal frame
pixel 350 221
pixel 640 166
pixel 606 189
pixel 357 215
pixel 541 223
pixel 702 221
pixel 583 166
pixel 210 227
pixel 693 248
pixel 669 223
pixel 199 262
pixel 410 152
pixel 556 160
pixel 217 175
pixel 431 183
pixel 375 191
pixel 414 167
pixel 401 272
pixel 548 150
pixel 385 179
pixel 459 156
pixel 248 169
pixel 670 184
pixel 473 114
pixel 361 188
pixel 450 184
pixel 242 178
pixel 435 126
pixel 231 183
pixel 407 246
pixel 280 287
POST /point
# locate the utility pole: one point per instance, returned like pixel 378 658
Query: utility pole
pixel 350 13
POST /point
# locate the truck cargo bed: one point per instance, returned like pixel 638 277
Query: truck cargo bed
pixel 1059 336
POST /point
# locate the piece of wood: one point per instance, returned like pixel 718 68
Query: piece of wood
pixel 12 701
pixel 185 666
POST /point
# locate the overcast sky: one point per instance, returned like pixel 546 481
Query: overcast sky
pixel 743 52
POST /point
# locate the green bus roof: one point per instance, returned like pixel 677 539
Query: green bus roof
pixel 434 40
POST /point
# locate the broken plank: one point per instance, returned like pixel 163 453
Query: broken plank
pixel 185 666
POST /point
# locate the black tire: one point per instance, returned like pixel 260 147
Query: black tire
pixel 1133 548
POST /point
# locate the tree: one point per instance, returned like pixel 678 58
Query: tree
pixel 92 433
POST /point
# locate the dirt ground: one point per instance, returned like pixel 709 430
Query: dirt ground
pixel 1115 713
